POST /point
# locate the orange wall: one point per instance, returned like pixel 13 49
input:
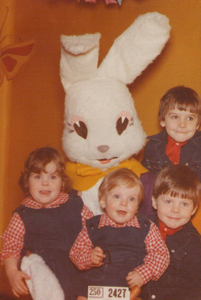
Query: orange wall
pixel 5 105
pixel 34 114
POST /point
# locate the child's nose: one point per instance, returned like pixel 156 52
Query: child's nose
pixel 123 201
pixel 175 208
pixel 45 182
pixel 182 123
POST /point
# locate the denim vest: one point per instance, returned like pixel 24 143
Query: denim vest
pixel 123 247
pixel 50 232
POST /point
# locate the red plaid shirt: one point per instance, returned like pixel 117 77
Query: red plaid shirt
pixel 155 262
pixel 13 237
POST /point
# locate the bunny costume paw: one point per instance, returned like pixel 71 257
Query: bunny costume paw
pixel 43 284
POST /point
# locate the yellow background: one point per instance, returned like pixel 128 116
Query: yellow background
pixel 32 104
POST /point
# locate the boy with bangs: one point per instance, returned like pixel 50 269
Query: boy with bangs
pixel 176 196
pixel 119 248
pixel 180 143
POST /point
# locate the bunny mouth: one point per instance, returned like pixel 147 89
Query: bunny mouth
pixel 106 161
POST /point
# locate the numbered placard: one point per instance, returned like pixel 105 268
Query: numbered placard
pixel 108 293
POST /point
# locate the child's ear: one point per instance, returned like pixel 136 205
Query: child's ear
pixel 162 123
pixel 194 210
pixel 154 204
pixel 198 126
pixel 102 202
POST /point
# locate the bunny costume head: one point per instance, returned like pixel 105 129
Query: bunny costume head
pixel 102 128
pixel 101 132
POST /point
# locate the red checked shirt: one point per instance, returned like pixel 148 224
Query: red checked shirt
pixel 155 262
pixel 13 237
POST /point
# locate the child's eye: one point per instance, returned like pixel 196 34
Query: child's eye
pixel 37 176
pixel 167 201
pixel 191 119
pixel 54 177
pixel 174 117
pixel 116 196
pixel 132 199
pixel 185 204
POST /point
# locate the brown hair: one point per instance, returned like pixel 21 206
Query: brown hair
pixel 178 181
pixel 36 163
pixel 182 98
pixel 122 176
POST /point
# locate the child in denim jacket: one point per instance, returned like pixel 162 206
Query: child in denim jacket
pixel 176 197
pixel 180 141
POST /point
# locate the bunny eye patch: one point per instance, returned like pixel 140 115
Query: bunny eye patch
pixel 79 126
pixel 81 129
pixel 123 121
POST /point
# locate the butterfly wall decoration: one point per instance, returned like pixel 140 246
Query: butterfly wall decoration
pixel 13 56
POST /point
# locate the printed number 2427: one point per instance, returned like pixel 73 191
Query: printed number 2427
pixel 116 293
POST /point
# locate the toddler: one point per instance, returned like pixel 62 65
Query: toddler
pixel 119 248
pixel 180 143
pixel 47 222
pixel 176 196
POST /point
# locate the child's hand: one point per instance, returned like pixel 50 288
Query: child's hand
pixel 97 256
pixel 133 278
pixel 18 285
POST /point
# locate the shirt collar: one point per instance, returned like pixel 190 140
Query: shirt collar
pixel 31 203
pixel 164 230
pixel 173 142
pixel 106 221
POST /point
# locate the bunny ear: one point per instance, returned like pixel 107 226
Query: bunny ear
pixel 79 58
pixel 136 48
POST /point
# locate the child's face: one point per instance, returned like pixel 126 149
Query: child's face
pixel 45 187
pixel 121 203
pixel 174 212
pixel 180 125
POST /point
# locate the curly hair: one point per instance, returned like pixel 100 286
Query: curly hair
pixel 36 163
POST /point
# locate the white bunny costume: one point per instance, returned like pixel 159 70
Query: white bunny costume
pixel 43 284
pixel 102 130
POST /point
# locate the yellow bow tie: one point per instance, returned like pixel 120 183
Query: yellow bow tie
pixel 84 177
pixel 86 170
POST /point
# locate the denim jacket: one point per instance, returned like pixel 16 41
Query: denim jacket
pixel 155 158
pixel 182 279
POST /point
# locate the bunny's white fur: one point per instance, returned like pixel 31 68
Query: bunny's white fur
pixel 43 283
pixel 102 128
